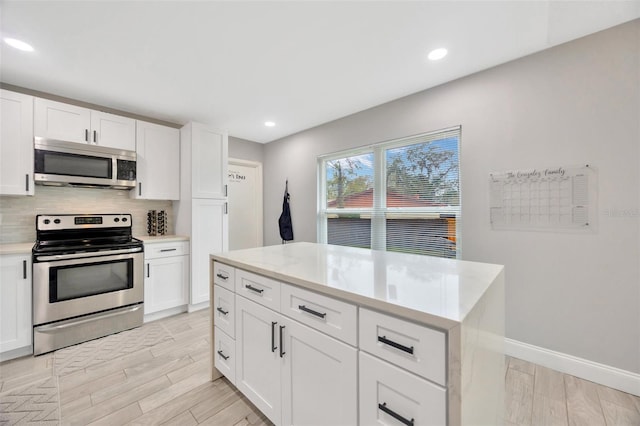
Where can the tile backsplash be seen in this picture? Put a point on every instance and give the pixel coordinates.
(18, 213)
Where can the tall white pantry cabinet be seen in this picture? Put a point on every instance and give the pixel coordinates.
(202, 212)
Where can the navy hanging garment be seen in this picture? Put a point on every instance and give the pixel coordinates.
(286, 228)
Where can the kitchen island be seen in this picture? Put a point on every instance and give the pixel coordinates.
(373, 337)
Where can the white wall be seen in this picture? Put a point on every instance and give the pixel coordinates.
(578, 103)
(245, 150)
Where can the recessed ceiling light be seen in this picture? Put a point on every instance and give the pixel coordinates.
(437, 54)
(269, 123)
(18, 44)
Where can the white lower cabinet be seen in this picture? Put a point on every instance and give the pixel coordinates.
(166, 279)
(295, 375)
(225, 355)
(258, 357)
(16, 325)
(392, 396)
(319, 378)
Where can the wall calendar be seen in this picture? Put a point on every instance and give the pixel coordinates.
(547, 198)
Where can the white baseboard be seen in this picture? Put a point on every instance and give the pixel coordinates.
(606, 375)
(16, 353)
(198, 306)
(164, 314)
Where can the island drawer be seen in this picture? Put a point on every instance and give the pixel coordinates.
(392, 396)
(225, 355)
(224, 310)
(262, 290)
(331, 316)
(224, 275)
(419, 349)
(159, 250)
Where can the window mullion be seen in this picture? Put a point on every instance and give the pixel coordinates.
(378, 222)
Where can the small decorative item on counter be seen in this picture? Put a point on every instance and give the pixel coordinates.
(162, 222)
(152, 223)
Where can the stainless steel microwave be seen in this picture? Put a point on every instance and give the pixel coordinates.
(68, 163)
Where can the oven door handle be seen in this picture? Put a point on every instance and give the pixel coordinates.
(87, 254)
(75, 322)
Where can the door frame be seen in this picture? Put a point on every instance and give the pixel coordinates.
(259, 189)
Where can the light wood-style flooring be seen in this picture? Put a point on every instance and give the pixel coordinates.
(168, 383)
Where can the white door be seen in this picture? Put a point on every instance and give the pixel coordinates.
(113, 131)
(319, 377)
(15, 302)
(209, 235)
(245, 204)
(55, 120)
(158, 150)
(209, 162)
(16, 143)
(258, 357)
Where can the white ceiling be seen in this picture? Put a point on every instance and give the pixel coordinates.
(236, 64)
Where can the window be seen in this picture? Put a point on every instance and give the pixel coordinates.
(402, 195)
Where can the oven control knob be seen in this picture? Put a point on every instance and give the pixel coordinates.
(124, 219)
(56, 221)
(116, 219)
(47, 221)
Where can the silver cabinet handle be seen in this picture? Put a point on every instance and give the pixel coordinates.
(86, 135)
(95, 137)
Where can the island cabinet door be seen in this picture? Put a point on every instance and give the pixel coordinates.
(258, 361)
(319, 378)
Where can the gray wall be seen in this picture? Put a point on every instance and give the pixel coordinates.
(243, 149)
(575, 104)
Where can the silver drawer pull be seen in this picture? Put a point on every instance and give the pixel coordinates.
(222, 311)
(312, 312)
(165, 250)
(226, 357)
(222, 277)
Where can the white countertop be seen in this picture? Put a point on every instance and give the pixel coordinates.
(432, 290)
(16, 248)
(161, 238)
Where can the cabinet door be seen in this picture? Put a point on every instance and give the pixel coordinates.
(209, 154)
(165, 283)
(55, 120)
(392, 396)
(258, 358)
(16, 327)
(319, 378)
(113, 131)
(209, 235)
(16, 143)
(158, 162)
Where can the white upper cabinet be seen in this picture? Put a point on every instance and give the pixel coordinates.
(209, 152)
(158, 162)
(16, 143)
(57, 120)
(113, 131)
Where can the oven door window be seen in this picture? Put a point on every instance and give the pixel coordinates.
(76, 281)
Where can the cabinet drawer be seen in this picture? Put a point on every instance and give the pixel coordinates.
(224, 275)
(224, 310)
(262, 290)
(158, 250)
(411, 346)
(225, 355)
(389, 395)
(333, 317)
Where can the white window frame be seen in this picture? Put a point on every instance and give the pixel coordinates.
(379, 211)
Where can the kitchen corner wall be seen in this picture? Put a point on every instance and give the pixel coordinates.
(574, 104)
(242, 149)
(18, 214)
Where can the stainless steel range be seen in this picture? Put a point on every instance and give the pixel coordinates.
(87, 279)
